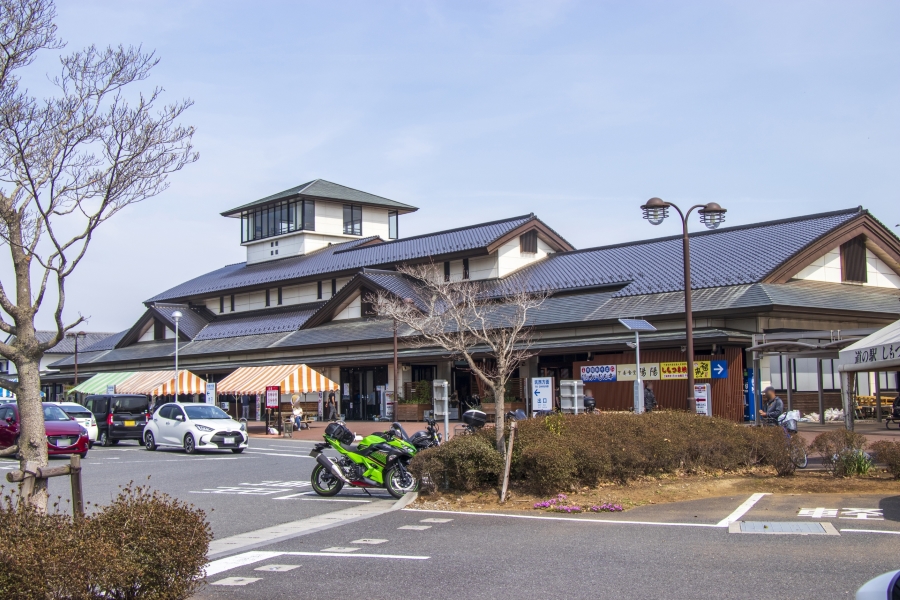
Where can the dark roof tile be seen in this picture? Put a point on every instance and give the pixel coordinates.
(319, 188)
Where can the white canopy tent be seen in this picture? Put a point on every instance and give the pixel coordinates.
(877, 352)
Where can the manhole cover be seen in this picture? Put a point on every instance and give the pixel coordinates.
(783, 528)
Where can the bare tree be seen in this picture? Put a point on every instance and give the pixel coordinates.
(470, 322)
(67, 164)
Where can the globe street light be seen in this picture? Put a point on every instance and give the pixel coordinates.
(712, 215)
(177, 317)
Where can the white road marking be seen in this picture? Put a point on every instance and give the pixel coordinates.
(577, 520)
(240, 560)
(369, 541)
(741, 510)
(863, 514)
(247, 558)
(277, 568)
(307, 499)
(871, 531)
(432, 520)
(339, 549)
(236, 581)
(279, 454)
(415, 527)
(295, 528)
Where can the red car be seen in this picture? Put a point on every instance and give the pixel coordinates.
(64, 434)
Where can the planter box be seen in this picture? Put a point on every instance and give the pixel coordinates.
(411, 412)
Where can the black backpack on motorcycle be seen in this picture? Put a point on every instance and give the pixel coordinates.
(339, 431)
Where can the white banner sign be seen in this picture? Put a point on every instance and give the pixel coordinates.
(596, 373)
(542, 394)
(702, 397)
(649, 372)
(210, 393)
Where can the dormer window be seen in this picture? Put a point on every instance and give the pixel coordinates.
(277, 219)
(352, 219)
(528, 242)
(392, 224)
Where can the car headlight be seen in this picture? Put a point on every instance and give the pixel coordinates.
(243, 427)
(83, 430)
(203, 428)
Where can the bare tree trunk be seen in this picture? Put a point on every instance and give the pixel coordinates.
(500, 421)
(33, 436)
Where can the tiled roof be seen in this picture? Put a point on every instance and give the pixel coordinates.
(342, 258)
(67, 345)
(319, 188)
(723, 257)
(107, 343)
(274, 321)
(191, 321)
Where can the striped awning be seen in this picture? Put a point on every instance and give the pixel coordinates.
(99, 383)
(161, 383)
(292, 379)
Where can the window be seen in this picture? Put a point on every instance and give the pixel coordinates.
(392, 224)
(277, 219)
(528, 242)
(352, 219)
(853, 260)
(232, 303)
(319, 290)
(447, 270)
(465, 268)
(159, 330)
(279, 296)
(333, 287)
(221, 304)
(267, 298)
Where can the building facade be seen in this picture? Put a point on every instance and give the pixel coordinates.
(316, 252)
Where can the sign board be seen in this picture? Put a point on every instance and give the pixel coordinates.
(628, 372)
(702, 397)
(210, 393)
(678, 370)
(321, 406)
(542, 393)
(595, 373)
(110, 389)
(346, 390)
(258, 409)
(719, 369)
(273, 395)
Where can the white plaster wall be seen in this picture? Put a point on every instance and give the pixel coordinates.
(241, 303)
(510, 258)
(828, 268)
(879, 274)
(484, 267)
(375, 222)
(329, 218)
(212, 304)
(353, 310)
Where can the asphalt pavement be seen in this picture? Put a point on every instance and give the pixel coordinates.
(275, 538)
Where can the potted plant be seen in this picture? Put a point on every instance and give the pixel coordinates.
(412, 406)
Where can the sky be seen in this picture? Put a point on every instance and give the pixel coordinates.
(476, 111)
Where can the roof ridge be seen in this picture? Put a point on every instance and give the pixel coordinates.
(859, 209)
(454, 230)
(364, 192)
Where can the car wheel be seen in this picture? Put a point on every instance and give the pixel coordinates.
(141, 442)
(190, 446)
(114, 442)
(104, 439)
(83, 454)
(237, 450)
(149, 442)
(90, 445)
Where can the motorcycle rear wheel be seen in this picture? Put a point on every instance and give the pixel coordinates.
(399, 482)
(324, 483)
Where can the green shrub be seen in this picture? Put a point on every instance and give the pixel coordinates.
(143, 546)
(465, 462)
(843, 452)
(888, 453)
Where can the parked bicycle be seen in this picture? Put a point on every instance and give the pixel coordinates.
(788, 423)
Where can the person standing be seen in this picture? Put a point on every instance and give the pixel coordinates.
(649, 397)
(332, 407)
(245, 407)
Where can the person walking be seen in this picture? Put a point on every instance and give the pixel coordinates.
(773, 406)
(332, 407)
(245, 407)
(649, 397)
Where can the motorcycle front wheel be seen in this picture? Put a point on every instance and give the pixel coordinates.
(399, 481)
(324, 483)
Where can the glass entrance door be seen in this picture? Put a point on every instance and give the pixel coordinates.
(362, 403)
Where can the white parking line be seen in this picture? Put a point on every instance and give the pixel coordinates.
(248, 558)
(279, 454)
(236, 581)
(435, 520)
(741, 510)
(575, 519)
(339, 549)
(415, 527)
(871, 531)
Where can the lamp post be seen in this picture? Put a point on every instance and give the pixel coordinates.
(712, 215)
(76, 336)
(177, 316)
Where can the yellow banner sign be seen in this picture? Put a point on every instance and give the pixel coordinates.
(678, 370)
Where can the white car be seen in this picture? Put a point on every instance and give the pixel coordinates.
(194, 427)
(83, 416)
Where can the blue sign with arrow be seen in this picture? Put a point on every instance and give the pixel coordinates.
(719, 369)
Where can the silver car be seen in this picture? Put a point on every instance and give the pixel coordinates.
(194, 427)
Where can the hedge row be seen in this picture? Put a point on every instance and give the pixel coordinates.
(143, 546)
(560, 452)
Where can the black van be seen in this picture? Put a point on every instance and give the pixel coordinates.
(119, 417)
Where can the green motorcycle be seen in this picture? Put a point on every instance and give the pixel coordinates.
(378, 461)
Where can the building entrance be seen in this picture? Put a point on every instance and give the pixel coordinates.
(361, 400)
